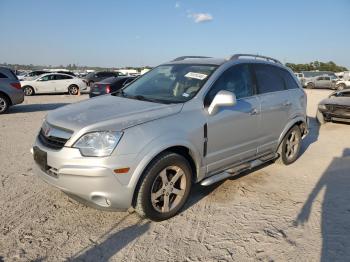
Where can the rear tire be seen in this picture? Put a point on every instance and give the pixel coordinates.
(73, 90)
(290, 147)
(28, 90)
(4, 104)
(310, 86)
(165, 187)
(320, 117)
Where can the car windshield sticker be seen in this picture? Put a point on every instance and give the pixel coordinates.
(185, 95)
(196, 75)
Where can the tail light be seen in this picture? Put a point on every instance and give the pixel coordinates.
(108, 89)
(16, 85)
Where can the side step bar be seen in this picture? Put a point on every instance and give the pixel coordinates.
(238, 169)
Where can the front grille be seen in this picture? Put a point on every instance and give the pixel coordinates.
(51, 141)
(338, 110)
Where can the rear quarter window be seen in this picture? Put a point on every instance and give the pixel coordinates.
(268, 79)
(289, 80)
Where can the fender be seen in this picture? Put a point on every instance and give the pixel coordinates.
(155, 147)
(290, 124)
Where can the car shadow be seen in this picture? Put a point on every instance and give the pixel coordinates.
(199, 192)
(34, 107)
(312, 137)
(114, 241)
(335, 217)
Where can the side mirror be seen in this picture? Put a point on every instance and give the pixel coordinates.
(222, 98)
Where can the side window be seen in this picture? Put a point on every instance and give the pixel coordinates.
(289, 80)
(236, 79)
(62, 77)
(268, 78)
(2, 75)
(327, 78)
(319, 78)
(47, 78)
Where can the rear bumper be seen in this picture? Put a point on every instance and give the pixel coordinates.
(16, 96)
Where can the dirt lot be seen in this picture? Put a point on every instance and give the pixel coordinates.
(298, 213)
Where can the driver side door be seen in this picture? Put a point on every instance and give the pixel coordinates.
(45, 84)
(233, 131)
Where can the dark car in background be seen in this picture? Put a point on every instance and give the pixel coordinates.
(11, 92)
(335, 108)
(110, 85)
(94, 77)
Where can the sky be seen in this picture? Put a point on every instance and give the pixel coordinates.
(115, 33)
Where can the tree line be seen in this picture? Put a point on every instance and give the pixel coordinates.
(317, 66)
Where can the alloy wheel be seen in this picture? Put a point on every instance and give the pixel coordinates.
(292, 145)
(168, 189)
(3, 104)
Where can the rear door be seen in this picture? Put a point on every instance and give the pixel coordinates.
(233, 132)
(275, 105)
(62, 83)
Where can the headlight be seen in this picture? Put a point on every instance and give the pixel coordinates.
(98, 143)
(323, 107)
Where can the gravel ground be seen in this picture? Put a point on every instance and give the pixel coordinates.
(276, 213)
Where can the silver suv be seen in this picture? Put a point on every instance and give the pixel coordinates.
(192, 120)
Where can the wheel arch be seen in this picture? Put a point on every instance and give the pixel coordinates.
(301, 122)
(182, 150)
(7, 97)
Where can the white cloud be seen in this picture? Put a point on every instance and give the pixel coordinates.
(201, 17)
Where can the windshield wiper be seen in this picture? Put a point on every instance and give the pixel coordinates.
(143, 98)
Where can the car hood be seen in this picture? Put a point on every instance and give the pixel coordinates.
(344, 101)
(109, 113)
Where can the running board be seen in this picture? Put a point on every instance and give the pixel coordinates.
(237, 169)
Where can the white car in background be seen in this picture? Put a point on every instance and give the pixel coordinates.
(53, 83)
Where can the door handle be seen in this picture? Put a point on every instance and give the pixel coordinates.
(286, 103)
(253, 112)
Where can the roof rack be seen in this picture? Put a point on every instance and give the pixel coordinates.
(186, 57)
(237, 56)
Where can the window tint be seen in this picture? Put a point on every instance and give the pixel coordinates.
(289, 80)
(268, 78)
(236, 79)
(47, 78)
(62, 77)
(2, 75)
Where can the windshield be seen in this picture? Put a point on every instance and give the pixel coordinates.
(170, 83)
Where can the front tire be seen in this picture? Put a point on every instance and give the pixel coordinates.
(310, 86)
(73, 90)
(341, 86)
(28, 91)
(290, 147)
(4, 104)
(165, 187)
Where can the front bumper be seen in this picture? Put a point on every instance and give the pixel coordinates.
(88, 180)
